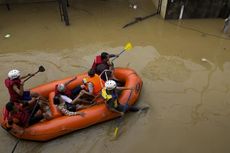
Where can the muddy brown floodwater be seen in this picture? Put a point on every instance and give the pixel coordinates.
(189, 98)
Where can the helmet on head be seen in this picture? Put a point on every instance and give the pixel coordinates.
(13, 74)
(110, 85)
(61, 87)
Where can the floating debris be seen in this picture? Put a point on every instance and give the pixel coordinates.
(7, 36)
(134, 6)
(204, 60)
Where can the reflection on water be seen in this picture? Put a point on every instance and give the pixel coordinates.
(188, 98)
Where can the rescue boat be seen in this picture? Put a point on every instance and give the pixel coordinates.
(60, 125)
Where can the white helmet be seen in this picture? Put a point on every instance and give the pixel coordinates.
(61, 87)
(13, 74)
(110, 85)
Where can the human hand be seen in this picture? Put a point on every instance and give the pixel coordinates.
(29, 74)
(22, 83)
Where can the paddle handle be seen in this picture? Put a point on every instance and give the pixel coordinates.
(118, 55)
(31, 76)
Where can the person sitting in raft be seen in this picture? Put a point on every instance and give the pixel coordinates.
(102, 63)
(18, 96)
(110, 95)
(62, 89)
(23, 116)
(102, 59)
(91, 87)
(68, 110)
(65, 94)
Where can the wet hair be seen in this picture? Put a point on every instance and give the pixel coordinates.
(104, 55)
(56, 100)
(10, 106)
(91, 72)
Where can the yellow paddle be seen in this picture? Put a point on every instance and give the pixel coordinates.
(127, 47)
(116, 130)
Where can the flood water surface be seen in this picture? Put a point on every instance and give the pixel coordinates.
(189, 97)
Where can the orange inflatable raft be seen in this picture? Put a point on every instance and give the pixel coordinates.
(61, 125)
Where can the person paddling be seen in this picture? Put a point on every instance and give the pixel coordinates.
(22, 116)
(15, 85)
(110, 95)
(102, 59)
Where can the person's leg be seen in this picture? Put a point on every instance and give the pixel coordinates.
(26, 96)
(125, 108)
(37, 96)
(77, 99)
(133, 108)
(71, 107)
(75, 92)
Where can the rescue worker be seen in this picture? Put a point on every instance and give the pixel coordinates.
(102, 59)
(21, 97)
(104, 67)
(15, 86)
(91, 86)
(110, 95)
(23, 116)
(62, 89)
(64, 94)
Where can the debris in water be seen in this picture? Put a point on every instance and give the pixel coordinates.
(204, 60)
(134, 6)
(7, 36)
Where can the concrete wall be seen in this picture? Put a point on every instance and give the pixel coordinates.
(164, 8)
(155, 2)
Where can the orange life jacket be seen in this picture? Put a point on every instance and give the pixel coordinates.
(98, 84)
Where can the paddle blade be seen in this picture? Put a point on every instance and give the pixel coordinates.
(128, 46)
(115, 132)
(41, 69)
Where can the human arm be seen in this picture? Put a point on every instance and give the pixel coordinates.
(113, 55)
(19, 90)
(26, 76)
